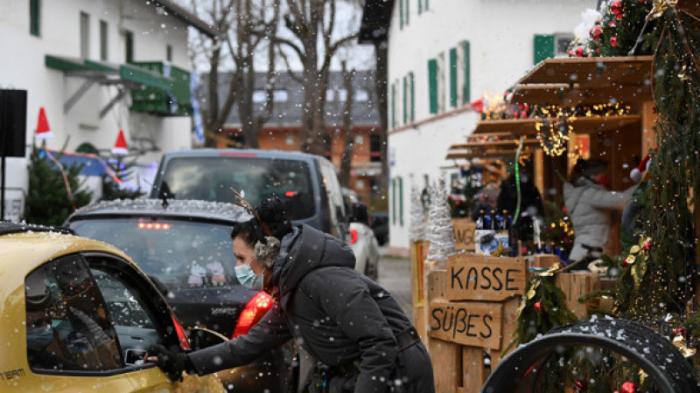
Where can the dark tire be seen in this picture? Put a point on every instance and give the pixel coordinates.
(371, 271)
(655, 354)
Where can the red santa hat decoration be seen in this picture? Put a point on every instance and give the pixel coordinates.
(637, 173)
(42, 130)
(120, 147)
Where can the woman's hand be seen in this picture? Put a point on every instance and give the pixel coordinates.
(172, 363)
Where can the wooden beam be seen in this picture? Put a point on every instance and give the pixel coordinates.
(588, 71)
(567, 96)
(582, 125)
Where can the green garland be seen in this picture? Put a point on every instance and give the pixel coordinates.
(542, 308)
(675, 170)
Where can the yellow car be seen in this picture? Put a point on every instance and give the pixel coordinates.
(77, 315)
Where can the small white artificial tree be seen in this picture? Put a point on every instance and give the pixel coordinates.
(439, 229)
(418, 216)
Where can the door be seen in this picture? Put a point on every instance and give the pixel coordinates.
(141, 319)
(74, 334)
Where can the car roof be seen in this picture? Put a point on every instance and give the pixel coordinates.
(174, 208)
(22, 252)
(252, 153)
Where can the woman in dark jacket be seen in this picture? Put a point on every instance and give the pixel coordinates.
(340, 317)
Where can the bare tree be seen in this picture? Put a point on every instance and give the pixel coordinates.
(312, 24)
(348, 150)
(240, 22)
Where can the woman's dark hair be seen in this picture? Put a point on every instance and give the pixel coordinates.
(273, 221)
(586, 168)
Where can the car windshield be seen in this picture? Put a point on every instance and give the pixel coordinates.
(212, 178)
(181, 254)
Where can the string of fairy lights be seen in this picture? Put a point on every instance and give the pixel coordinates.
(554, 124)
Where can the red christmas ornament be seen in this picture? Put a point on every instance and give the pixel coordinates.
(580, 386)
(616, 7)
(647, 245)
(613, 42)
(596, 32)
(679, 331)
(537, 306)
(628, 387)
(579, 52)
(618, 16)
(612, 23)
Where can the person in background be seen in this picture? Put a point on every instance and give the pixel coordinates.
(531, 206)
(354, 329)
(589, 204)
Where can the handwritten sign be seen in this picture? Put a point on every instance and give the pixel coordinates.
(469, 323)
(474, 277)
(463, 232)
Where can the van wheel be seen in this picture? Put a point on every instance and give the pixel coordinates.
(371, 270)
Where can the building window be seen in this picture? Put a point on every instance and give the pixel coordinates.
(436, 84)
(342, 95)
(361, 95)
(260, 96)
(466, 71)
(128, 46)
(84, 35)
(169, 53)
(404, 12)
(412, 99)
(405, 100)
(433, 85)
(543, 47)
(330, 95)
(392, 104)
(454, 99)
(35, 17)
(104, 40)
(375, 148)
(393, 201)
(400, 201)
(562, 42)
(359, 140)
(423, 5)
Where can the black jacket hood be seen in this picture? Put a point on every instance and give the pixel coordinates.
(303, 250)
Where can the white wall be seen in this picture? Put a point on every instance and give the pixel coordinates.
(23, 67)
(501, 34)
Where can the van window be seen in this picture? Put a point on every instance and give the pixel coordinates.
(211, 179)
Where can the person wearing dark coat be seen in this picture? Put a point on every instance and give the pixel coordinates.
(343, 319)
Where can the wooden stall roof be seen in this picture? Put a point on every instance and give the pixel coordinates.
(487, 154)
(492, 144)
(587, 80)
(581, 125)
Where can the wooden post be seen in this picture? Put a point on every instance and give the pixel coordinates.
(419, 251)
(473, 371)
(539, 171)
(576, 284)
(648, 127)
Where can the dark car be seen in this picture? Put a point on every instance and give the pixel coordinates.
(185, 246)
(307, 182)
(379, 223)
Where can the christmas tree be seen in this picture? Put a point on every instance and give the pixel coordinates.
(111, 189)
(54, 192)
(418, 216)
(439, 231)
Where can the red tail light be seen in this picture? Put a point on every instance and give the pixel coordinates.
(181, 336)
(353, 236)
(256, 308)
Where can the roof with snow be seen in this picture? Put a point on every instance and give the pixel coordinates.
(174, 208)
(289, 99)
(186, 16)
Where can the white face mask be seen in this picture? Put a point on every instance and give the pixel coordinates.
(247, 277)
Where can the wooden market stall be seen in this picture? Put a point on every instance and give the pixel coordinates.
(621, 136)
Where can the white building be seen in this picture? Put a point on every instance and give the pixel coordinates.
(98, 66)
(442, 54)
